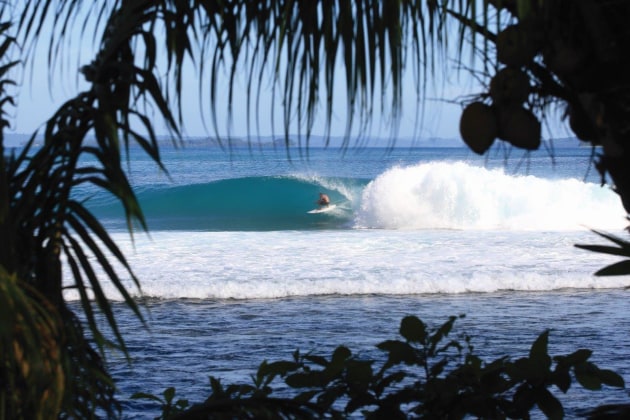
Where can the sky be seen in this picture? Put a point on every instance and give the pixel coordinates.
(44, 89)
(40, 95)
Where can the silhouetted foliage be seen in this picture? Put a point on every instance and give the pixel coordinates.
(562, 54)
(136, 77)
(426, 374)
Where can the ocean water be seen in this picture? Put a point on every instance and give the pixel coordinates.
(235, 271)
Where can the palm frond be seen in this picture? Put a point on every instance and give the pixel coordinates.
(30, 352)
(622, 250)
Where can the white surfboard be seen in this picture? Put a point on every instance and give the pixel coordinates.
(323, 209)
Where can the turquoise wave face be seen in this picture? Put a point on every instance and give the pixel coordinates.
(434, 195)
(253, 203)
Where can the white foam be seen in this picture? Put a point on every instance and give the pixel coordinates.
(443, 195)
(251, 265)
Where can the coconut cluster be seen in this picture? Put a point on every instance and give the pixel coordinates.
(508, 116)
(571, 52)
(553, 51)
(568, 52)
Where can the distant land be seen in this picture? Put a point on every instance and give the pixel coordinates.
(18, 140)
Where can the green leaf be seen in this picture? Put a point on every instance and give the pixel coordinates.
(216, 385)
(305, 396)
(413, 329)
(587, 374)
(182, 404)
(562, 379)
(169, 394)
(8, 41)
(578, 356)
(360, 372)
(621, 268)
(5, 68)
(524, 399)
(520, 369)
(621, 242)
(497, 365)
(280, 368)
(605, 249)
(340, 355)
(611, 378)
(318, 360)
(145, 396)
(304, 380)
(438, 368)
(399, 352)
(362, 399)
(388, 380)
(549, 405)
(337, 362)
(539, 355)
(86, 265)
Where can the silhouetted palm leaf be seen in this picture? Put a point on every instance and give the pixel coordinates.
(287, 44)
(30, 352)
(622, 249)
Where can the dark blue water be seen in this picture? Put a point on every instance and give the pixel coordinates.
(235, 271)
(190, 340)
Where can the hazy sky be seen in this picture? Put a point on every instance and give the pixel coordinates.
(40, 96)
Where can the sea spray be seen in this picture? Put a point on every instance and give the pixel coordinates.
(443, 195)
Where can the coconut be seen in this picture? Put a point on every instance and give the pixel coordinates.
(519, 127)
(478, 127)
(517, 45)
(509, 86)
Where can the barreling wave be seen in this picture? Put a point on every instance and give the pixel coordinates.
(435, 195)
(252, 203)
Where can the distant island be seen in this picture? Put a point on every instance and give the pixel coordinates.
(19, 140)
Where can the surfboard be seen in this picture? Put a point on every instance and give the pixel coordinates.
(323, 209)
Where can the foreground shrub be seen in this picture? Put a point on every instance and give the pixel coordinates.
(425, 375)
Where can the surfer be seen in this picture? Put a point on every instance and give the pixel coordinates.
(324, 200)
